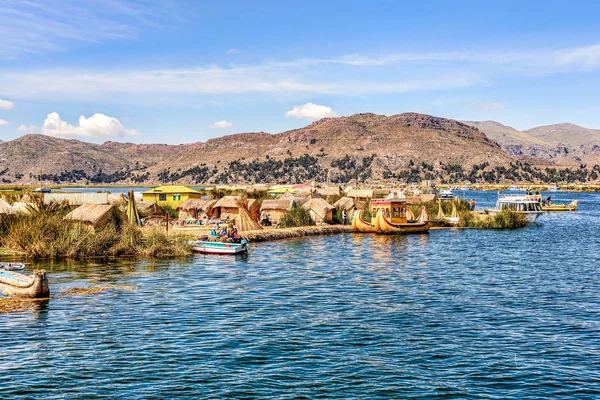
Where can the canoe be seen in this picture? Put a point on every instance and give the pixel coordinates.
(385, 226)
(205, 247)
(572, 206)
(361, 225)
(14, 284)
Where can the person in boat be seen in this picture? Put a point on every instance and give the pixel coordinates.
(472, 204)
(213, 231)
(234, 235)
(548, 201)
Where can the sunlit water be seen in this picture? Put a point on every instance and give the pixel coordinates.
(454, 313)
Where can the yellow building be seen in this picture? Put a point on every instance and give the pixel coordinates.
(170, 195)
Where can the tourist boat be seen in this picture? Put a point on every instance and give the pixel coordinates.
(14, 284)
(572, 206)
(390, 217)
(521, 204)
(446, 194)
(206, 247)
(359, 224)
(554, 189)
(465, 187)
(42, 190)
(4, 266)
(514, 188)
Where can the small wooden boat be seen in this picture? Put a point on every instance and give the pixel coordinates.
(14, 284)
(206, 247)
(4, 266)
(361, 225)
(572, 206)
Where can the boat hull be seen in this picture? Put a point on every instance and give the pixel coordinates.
(14, 284)
(202, 247)
(383, 225)
(572, 206)
(361, 225)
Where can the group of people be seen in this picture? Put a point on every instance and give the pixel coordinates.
(225, 232)
(265, 219)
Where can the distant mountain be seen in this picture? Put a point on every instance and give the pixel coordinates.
(564, 144)
(22, 159)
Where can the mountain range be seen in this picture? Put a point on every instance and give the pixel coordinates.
(360, 147)
(563, 144)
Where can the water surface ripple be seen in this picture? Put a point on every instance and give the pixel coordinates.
(451, 314)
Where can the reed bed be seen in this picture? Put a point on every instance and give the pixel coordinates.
(287, 233)
(84, 291)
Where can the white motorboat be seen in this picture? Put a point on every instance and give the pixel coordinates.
(514, 188)
(521, 204)
(465, 187)
(446, 194)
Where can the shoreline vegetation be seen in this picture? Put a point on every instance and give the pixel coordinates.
(44, 233)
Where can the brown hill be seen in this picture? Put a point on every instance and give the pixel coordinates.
(394, 140)
(22, 159)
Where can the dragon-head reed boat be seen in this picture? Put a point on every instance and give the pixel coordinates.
(391, 216)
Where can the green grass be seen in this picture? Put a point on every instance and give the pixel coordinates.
(297, 216)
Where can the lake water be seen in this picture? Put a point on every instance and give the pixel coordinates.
(450, 314)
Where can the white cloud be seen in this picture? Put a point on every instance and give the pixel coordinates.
(221, 124)
(487, 106)
(6, 105)
(4, 122)
(25, 128)
(232, 51)
(311, 112)
(98, 125)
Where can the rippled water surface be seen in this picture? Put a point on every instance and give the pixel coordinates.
(454, 313)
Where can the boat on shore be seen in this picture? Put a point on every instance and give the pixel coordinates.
(14, 284)
(390, 216)
(207, 247)
(521, 204)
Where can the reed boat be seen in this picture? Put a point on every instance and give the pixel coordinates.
(14, 284)
(359, 224)
(384, 225)
(391, 217)
(572, 206)
(206, 247)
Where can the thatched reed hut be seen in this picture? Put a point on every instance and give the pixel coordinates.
(330, 191)
(148, 209)
(23, 208)
(320, 211)
(228, 205)
(196, 208)
(276, 208)
(96, 216)
(360, 194)
(6, 209)
(345, 203)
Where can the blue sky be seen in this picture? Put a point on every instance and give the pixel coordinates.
(151, 71)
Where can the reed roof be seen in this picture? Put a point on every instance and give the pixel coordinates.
(329, 191)
(198, 204)
(345, 202)
(319, 206)
(360, 193)
(93, 213)
(277, 204)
